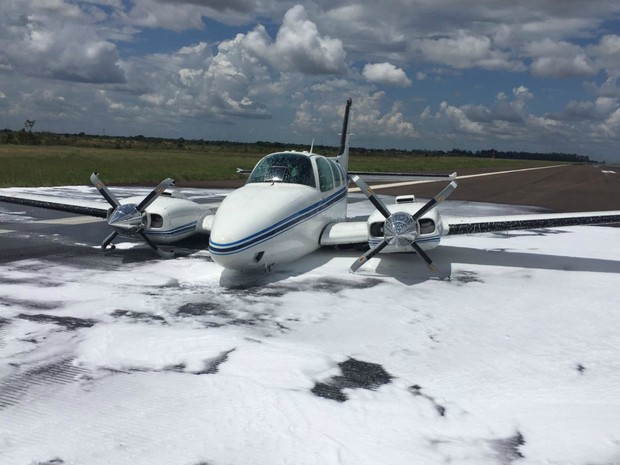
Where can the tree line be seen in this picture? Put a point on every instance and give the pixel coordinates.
(27, 137)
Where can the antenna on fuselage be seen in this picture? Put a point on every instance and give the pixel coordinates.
(312, 145)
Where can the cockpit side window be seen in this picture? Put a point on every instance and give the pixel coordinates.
(326, 177)
(290, 168)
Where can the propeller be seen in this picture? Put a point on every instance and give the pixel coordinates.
(130, 219)
(400, 228)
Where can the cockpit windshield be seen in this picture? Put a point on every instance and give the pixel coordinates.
(290, 168)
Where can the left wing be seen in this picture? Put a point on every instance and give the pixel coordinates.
(78, 206)
(474, 225)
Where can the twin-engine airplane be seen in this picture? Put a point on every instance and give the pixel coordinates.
(292, 204)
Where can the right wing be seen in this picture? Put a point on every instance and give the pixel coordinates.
(345, 233)
(485, 224)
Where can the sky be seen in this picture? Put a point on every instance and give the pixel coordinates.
(533, 75)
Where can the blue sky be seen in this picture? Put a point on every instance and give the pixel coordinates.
(533, 75)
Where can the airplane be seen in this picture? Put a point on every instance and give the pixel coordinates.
(292, 204)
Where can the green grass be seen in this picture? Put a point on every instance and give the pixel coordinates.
(22, 165)
(51, 166)
(436, 164)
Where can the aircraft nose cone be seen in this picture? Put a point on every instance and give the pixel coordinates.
(400, 229)
(126, 219)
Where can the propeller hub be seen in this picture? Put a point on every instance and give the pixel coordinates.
(127, 220)
(400, 229)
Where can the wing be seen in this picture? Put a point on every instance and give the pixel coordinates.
(474, 225)
(345, 233)
(372, 176)
(81, 207)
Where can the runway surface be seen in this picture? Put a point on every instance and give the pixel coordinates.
(564, 189)
(121, 357)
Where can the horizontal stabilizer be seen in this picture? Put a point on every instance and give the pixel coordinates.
(373, 176)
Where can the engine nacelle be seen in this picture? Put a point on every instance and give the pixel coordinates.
(428, 229)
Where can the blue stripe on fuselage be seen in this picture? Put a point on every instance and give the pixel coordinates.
(373, 242)
(173, 232)
(277, 228)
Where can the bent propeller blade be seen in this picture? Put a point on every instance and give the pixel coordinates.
(367, 256)
(435, 200)
(376, 201)
(104, 191)
(162, 253)
(108, 240)
(149, 199)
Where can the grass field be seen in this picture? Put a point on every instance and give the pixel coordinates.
(22, 165)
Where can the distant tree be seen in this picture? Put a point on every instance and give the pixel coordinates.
(29, 124)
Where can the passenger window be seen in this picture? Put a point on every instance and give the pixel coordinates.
(336, 173)
(326, 179)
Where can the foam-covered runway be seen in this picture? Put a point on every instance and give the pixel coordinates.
(122, 357)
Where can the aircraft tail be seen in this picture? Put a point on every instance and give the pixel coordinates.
(343, 152)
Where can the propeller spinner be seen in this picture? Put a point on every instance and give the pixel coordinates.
(130, 219)
(400, 228)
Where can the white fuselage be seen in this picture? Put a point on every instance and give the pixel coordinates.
(265, 223)
(278, 216)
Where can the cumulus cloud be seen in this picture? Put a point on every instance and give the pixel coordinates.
(181, 15)
(55, 41)
(192, 82)
(244, 72)
(583, 110)
(559, 59)
(385, 73)
(300, 47)
(605, 55)
(563, 67)
(505, 119)
(609, 88)
(459, 119)
(241, 6)
(368, 117)
(611, 126)
(465, 50)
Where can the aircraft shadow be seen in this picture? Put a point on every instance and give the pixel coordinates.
(233, 279)
(409, 269)
(505, 257)
(406, 268)
(141, 252)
